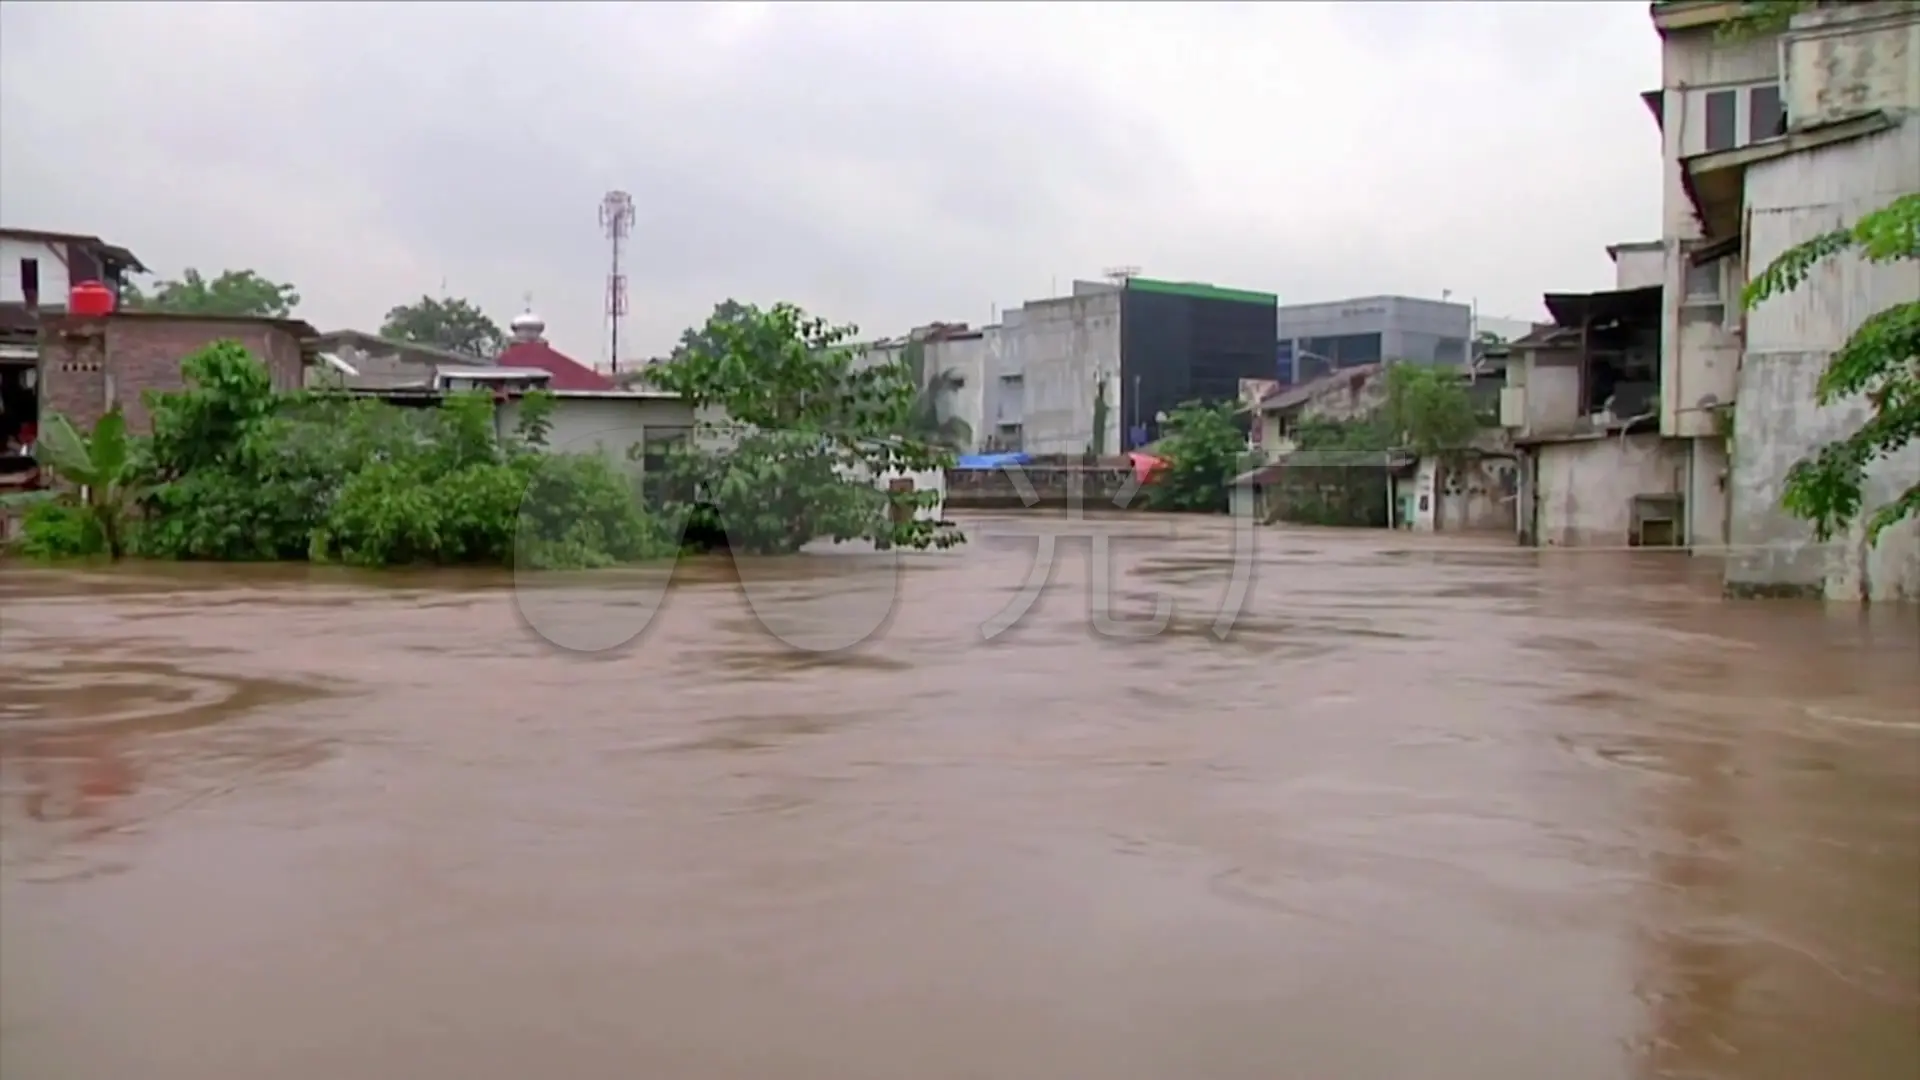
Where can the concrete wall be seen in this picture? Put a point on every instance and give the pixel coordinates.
(1846, 60)
(1476, 495)
(1583, 491)
(1639, 265)
(1062, 350)
(975, 360)
(1789, 340)
(89, 365)
(1699, 347)
(613, 426)
(1708, 481)
(1548, 381)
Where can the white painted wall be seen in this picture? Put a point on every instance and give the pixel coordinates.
(52, 270)
(1551, 382)
(1065, 349)
(1426, 496)
(1638, 266)
(1584, 491)
(1699, 350)
(615, 427)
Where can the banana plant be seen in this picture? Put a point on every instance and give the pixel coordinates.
(99, 468)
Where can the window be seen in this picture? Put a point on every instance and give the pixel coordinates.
(1341, 351)
(1723, 122)
(1703, 282)
(30, 280)
(1739, 115)
(1766, 113)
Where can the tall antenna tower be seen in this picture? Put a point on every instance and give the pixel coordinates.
(616, 217)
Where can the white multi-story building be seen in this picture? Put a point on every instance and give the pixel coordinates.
(1769, 141)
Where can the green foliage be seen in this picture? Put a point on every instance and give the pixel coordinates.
(1428, 409)
(233, 293)
(1203, 447)
(447, 323)
(924, 421)
(1880, 362)
(242, 473)
(60, 530)
(96, 492)
(1761, 18)
(1365, 433)
(809, 431)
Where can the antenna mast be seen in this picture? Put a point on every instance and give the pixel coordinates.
(616, 218)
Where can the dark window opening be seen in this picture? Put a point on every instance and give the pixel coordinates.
(1328, 354)
(30, 281)
(658, 447)
(1766, 114)
(19, 418)
(1623, 368)
(1723, 123)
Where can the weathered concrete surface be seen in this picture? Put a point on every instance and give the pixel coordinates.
(1585, 490)
(1789, 340)
(1430, 811)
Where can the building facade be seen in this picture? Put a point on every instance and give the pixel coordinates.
(88, 366)
(1093, 371)
(1317, 339)
(1846, 142)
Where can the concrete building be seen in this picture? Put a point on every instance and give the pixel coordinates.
(1092, 372)
(1770, 143)
(1581, 403)
(1315, 339)
(38, 267)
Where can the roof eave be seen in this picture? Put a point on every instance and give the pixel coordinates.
(1715, 181)
(1676, 15)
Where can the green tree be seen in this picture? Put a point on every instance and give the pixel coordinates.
(924, 422)
(98, 505)
(447, 323)
(1880, 362)
(1203, 447)
(1427, 409)
(238, 293)
(809, 433)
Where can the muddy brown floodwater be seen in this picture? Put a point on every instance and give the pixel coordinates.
(1432, 811)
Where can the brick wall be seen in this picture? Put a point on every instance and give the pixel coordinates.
(86, 365)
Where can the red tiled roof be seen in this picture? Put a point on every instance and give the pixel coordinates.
(568, 373)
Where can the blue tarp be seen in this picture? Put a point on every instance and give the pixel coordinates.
(991, 461)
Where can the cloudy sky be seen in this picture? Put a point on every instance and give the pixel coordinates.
(885, 164)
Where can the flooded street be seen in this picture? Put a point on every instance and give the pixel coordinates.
(1432, 811)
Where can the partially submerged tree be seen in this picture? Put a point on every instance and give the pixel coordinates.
(1880, 362)
(1203, 447)
(809, 436)
(1427, 409)
(446, 323)
(234, 293)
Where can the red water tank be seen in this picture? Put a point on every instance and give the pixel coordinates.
(90, 298)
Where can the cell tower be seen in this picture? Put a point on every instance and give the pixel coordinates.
(616, 217)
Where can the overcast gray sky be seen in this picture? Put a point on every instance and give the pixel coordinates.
(885, 164)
